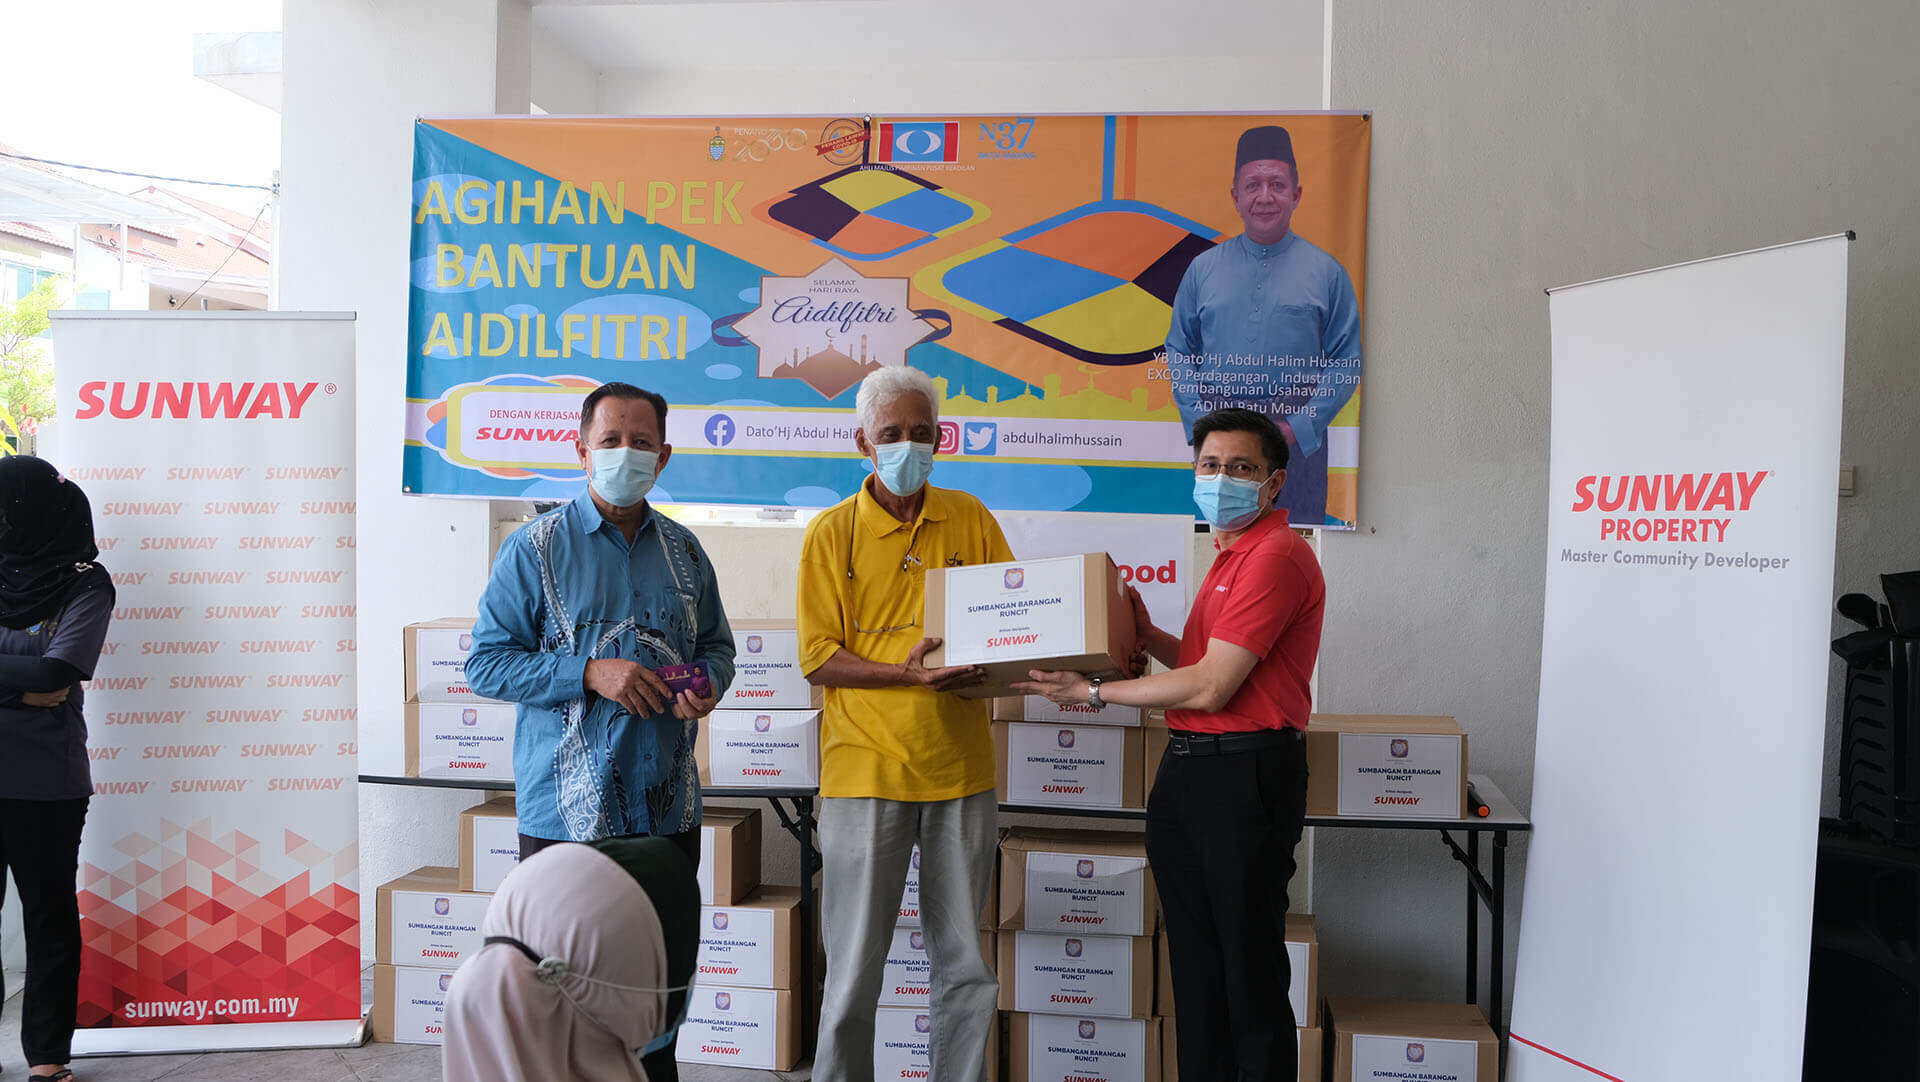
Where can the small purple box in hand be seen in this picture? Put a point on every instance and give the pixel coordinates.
(681, 678)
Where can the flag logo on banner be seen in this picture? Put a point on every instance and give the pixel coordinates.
(918, 141)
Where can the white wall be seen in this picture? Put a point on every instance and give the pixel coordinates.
(356, 76)
(1518, 146)
(563, 83)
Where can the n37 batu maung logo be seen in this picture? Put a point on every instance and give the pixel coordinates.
(1667, 507)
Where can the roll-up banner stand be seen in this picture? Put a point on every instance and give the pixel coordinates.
(219, 871)
(1683, 682)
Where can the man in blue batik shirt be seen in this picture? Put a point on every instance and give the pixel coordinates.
(585, 602)
(1267, 321)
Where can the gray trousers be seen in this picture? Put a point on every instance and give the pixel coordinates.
(864, 847)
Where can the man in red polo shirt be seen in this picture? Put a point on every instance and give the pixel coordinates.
(1228, 805)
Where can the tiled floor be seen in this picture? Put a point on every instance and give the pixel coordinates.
(368, 1063)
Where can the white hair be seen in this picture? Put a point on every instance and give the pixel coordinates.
(886, 384)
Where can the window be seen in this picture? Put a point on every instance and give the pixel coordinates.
(16, 280)
(94, 300)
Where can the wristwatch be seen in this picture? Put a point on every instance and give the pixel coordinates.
(1093, 694)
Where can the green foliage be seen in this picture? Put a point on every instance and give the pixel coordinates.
(26, 372)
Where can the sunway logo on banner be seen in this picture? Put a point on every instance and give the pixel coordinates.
(204, 401)
(1659, 499)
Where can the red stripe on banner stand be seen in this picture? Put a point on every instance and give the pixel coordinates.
(1569, 1059)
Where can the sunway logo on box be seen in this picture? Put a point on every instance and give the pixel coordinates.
(1667, 507)
(204, 401)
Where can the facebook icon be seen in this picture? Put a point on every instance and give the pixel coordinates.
(720, 430)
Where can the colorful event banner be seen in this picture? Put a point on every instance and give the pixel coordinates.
(219, 876)
(1683, 672)
(754, 270)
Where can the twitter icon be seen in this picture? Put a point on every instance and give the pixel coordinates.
(981, 438)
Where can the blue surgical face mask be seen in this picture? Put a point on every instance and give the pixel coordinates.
(1227, 503)
(622, 475)
(903, 467)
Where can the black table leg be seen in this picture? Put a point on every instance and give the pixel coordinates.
(1498, 959)
(809, 914)
(1473, 920)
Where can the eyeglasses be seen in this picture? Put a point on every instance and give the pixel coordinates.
(1242, 471)
(908, 562)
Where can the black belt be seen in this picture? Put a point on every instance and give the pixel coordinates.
(1192, 744)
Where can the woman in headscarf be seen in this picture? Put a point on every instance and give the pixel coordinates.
(55, 602)
(589, 950)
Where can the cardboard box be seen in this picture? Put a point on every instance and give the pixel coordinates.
(1068, 766)
(436, 660)
(1100, 976)
(1057, 1047)
(1385, 1038)
(489, 845)
(729, 855)
(907, 978)
(902, 1039)
(1379, 765)
(910, 898)
(766, 669)
(754, 944)
(756, 1028)
(409, 1004)
(1041, 708)
(1309, 1060)
(1077, 881)
(424, 919)
(460, 740)
(1303, 961)
(772, 749)
(1065, 613)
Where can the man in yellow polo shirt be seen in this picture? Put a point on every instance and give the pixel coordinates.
(902, 761)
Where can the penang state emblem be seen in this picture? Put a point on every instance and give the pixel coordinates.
(716, 146)
(1015, 578)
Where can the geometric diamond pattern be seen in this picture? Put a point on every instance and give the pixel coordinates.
(191, 931)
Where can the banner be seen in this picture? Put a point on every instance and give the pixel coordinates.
(1683, 673)
(754, 270)
(219, 875)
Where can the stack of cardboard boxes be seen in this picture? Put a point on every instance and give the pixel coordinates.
(903, 1023)
(744, 1007)
(1078, 911)
(451, 732)
(425, 926)
(766, 732)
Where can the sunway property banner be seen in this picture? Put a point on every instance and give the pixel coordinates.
(1683, 682)
(753, 270)
(219, 874)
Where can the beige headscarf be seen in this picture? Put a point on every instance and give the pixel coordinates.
(509, 1022)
